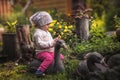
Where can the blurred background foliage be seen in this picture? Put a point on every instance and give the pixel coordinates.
(108, 8)
(104, 17)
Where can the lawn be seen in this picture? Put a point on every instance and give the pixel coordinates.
(10, 71)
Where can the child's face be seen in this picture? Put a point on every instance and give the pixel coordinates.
(45, 27)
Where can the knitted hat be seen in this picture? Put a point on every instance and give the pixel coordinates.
(41, 18)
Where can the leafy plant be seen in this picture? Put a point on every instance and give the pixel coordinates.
(117, 21)
(22, 19)
(97, 28)
(61, 29)
(11, 26)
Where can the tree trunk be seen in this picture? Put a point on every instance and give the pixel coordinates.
(81, 18)
(82, 28)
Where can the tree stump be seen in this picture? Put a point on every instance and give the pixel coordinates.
(26, 52)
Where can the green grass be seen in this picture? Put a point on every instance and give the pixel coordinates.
(9, 71)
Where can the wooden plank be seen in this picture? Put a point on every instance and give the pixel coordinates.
(4, 8)
(50, 3)
(37, 1)
(0, 8)
(8, 7)
(40, 2)
(69, 6)
(53, 6)
(62, 5)
(2, 11)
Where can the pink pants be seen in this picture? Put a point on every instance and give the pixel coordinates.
(47, 59)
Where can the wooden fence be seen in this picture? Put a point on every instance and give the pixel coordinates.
(5, 8)
(62, 5)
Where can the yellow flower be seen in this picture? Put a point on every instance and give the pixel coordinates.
(50, 29)
(59, 26)
(66, 27)
(58, 23)
(54, 21)
(65, 30)
(52, 24)
(70, 26)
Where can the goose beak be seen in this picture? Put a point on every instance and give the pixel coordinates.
(64, 46)
(103, 62)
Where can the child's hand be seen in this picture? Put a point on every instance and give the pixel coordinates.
(55, 40)
(59, 36)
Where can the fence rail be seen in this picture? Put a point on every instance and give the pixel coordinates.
(5, 8)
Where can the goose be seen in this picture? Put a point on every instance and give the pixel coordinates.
(57, 65)
(114, 67)
(89, 68)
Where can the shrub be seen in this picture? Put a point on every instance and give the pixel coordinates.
(62, 25)
(117, 21)
(61, 29)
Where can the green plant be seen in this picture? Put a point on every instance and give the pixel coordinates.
(11, 26)
(62, 25)
(97, 28)
(22, 19)
(106, 45)
(61, 29)
(117, 21)
(16, 18)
